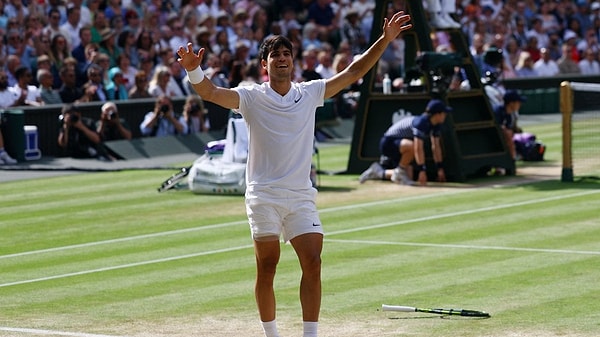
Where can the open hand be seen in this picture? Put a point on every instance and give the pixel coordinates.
(188, 59)
(397, 24)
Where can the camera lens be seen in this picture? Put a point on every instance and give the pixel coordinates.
(74, 118)
(164, 108)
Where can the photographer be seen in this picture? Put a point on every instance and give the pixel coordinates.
(77, 135)
(193, 114)
(111, 126)
(162, 121)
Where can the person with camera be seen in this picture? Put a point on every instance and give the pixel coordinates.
(162, 121)
(77, 135)
(111, 126)
(193, 114)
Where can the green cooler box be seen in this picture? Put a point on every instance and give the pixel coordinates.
(13, 123)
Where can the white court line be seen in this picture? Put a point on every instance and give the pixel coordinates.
(200, 228)
(470, 211)
(52, 332)
(129, 238)
(128, 265)
(474, 247)
(484, 209)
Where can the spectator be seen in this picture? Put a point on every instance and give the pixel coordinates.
(77, 135)
(59, 50)
(203, 39)
(322, 14)
(85, 37)
(109, 47)
(94, 89)
(565, 64)
(114, 8)
(159, 85)
(8, 97)
(116, 89)
(29, 94)
(85, 11)
(126, 43)
(403, 142)
(524, 67)
(111, 126)
(325, 64)
(127, 70)
(133, 23)
(53, 27)
(162, 121)
(533, 49)
(537, 30)
(103, 61)
(48, 94)
(589, 65)
(546, 66)
(140, 87)
(100, 24)
(193, 114)
(507, 115)
(310, 35)
(178, 77)
(91, 54)
(148, 67)
(179, 36)
(72, 26)
(16, 45)
(352, 32)
(58, 6)
(69, 91)
(309, 64)
(43, 62)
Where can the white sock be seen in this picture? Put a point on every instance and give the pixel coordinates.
(310, 329)
(270, 328)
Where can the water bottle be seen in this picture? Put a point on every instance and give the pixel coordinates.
(387, 84)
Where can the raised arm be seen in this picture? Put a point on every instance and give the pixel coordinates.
(190, 61)
(362, 63)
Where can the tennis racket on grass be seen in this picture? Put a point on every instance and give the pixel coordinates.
(450, 312)
(174, 179)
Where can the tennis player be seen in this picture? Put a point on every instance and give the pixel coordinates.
(280, 199)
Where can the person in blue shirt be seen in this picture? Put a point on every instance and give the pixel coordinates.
(162, 121)
(506, 116)
(403, 143)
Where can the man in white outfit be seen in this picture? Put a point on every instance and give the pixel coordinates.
(280, 199)
(439, 13)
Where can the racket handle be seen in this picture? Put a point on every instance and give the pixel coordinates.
(402, 308)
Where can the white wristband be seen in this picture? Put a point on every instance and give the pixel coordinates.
(196, 76)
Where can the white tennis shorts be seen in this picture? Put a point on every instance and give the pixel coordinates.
(274, 211)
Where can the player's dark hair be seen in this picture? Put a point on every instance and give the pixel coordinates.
(272, 43)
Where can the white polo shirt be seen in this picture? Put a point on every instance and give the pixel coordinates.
(280, 133)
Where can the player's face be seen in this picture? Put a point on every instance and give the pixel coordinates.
(279, 62)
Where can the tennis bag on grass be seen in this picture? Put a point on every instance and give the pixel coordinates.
(223, 172)
(528, 147)
(211, 175)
